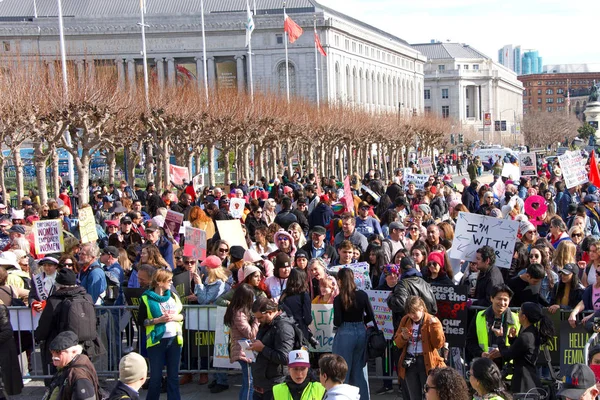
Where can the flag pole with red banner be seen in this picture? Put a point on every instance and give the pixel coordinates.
(292, 31)
(316, 63)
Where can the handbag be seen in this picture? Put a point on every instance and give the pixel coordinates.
(376, 343)
(14, 301)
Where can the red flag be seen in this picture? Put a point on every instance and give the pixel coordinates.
(291, 28)
(318, 44)
(594, 175)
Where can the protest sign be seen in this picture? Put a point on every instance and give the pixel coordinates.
(183, 226)
(198, 182)
(173, 222)
(322, 327)
(511, 171)
(452, 312)
(236, 207)
(572, 342)
(361, 274)
(195, 243)
(499, 189)
(383, 314)
(528, 164)
(231, 230)
(474, 231)
(178, 175)
(200, 318)
(222, 331)
(182, 283)
(418, 179)
(48, 236)
(426, 166)
(572, 165)
(348, 199)
(132, 298)
(87, 225)
(553, 345)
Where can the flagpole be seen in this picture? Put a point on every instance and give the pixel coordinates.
(316, 62)
(35, 14)
(287, 63)
(250, 54)
(254, 7)
(144, 53)
(63, 52)
(204, 60)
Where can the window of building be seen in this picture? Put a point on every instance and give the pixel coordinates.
(457, 66)
(427, 109)
(427, 94)
(354, 47)
(549, 100)
(539, 101)
(524, 101)
(441, 67)
(279, 38)
(445, 111)
(524, 92)
(360, 49)
(560, 91)
(539, 83)
(560, 108)
(549, 108)
(337, 41)
(549, 91)
(444, 93)
(347, 44)
(6, 46)
(560, 100)
(466, 66)
(467, 111)
(467, 93)
(282, 78)
(539, 91)
(476, 67)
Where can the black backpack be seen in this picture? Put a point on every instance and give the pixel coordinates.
(78, 315)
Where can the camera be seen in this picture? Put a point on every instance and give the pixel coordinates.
(596, 325)
(497, 324)
(408, 361)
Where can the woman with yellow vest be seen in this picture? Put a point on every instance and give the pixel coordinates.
(298, 384)
(160, 312)
(486, 379)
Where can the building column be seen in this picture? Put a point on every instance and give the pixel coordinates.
(131, 74)
(461, 101)
(212, 72)
(476, 107)
(160, 71)
(80, 70)
(51, 70)
(171, 78)
(199, 71)
(120, 72)
(241, 77)
(91, 70)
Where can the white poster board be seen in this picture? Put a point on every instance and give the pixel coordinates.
(87, 225)
(383, 314)
(361, 274)
(322, 327)
(426, 165)
(236, 207)
(474, 231)
(418, 179)
(528, 164)
(231, 231)
(48, 236)
(573, 169)
(511, 171)
(221, 353)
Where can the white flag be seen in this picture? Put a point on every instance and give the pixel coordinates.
(249, 25)
(143, 6)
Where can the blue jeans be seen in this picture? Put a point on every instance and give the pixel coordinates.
(168, 353)
(350, 342)
(247, 390)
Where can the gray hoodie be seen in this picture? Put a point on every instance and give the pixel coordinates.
(342, 392)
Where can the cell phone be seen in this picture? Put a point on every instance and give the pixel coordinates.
(497, 324)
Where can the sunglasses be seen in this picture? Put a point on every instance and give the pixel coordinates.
(67, 265)
(223, 250)
(179, 258)
(190, 262)
(414, 229)
(577, 235)
(427, 388)
(283, 238)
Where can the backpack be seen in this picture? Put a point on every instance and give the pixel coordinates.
(376, 343)
(112, 288)
(78, 315)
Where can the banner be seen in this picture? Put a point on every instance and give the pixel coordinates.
(87, 225)
(418, 179)
(195, 243)
(182, 283)
(231, 230)
(474, 231)
(173, 222)
(221, 354)
(426, 165)
(361, 274)
(528, 164)
(511, 171)
(236, 207)
(572, 342)
(383, 314)
(348, 199)
(572, 165)
(178, 175)
(452, 312)
(132, 298)
(48, 236)
(322, 327)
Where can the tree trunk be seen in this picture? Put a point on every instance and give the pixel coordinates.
(18, 162)
(198, 160)
(190, 164)
(211, 163)
(83, 170)
(132, 160)
(340, 164)
(350, 159)
(40, 160)
(310, 165)
(111, 161)
(2, 180)
(165, 155)
(273, 163)
(149, 164)
(55, 173)
(258, 162)
(383, 154)
(226, 166)
(245, 162)
(321, 167)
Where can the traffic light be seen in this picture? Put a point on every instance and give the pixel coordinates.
(460, 138)
(452, 139)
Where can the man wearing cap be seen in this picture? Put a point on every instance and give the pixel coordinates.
(590, 203)
(298, 385)
(394, 242)
(350, 233)
(126, 236)
(155, 236)
(366, 224)
(317, 246)
(133, 372)
(105, 212)
(76, 378)
(4, 235)
(579, 383)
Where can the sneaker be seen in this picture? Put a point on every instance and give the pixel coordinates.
(384, 390)
(219, 388)
(212, 384)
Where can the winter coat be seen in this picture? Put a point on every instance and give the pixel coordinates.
(244, 326)
(432, 337)
(9, 361)
(329, 254)
(298, 306)
(439, 208)
(524, 352)
(321, 216)
(410, 284)
(342, 392)
(252, 224)
(122, 392)
(77, 381)
(207, 293)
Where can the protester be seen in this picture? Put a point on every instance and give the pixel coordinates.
(579, 383)
(489, 275)
(12, 380)
(133, 372)
(486, 379)
(298, 385)
(445, 383)
(333, 371)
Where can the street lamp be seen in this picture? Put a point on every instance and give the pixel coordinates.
(514, 121)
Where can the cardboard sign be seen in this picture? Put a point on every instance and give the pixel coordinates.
(231, 231)
(182, 283)
(528, 164)
(236, 207)
(418, 179)
(572, 165)
(361, 274)
(173, 222)
(348, 199)
(572, 342)
(48, 236)
(452, 312)
(511, 171)
(195, 243)
(383, 314)
(198, 182)
(87, 225)
(499, 189)
(474, 231)
(132, 298)
(222, 331)
(426, 165)
(178, 175)
(322, 327)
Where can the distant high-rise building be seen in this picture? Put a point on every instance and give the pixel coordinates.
(510, 57)
(532, 63)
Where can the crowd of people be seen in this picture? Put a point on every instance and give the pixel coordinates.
(296, 229)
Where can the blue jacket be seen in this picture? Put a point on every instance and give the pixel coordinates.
(116, 271)
(166, 250)
(321, 216)
(208, 293)
(563, 204)
(93, 281)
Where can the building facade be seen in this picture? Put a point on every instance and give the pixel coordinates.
(464, 84)
(531, 63)
(553, 92)
(510, 57)
(365, 66)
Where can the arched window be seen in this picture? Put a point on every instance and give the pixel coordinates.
(282, 78)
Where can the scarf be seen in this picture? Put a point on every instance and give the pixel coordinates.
(154, 300)
(48, 283)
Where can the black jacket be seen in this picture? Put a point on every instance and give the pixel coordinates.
(122, 391)
(329, 254)
(485, 282)
(252, 224)
(77, 381)
(298, 306)
(411, 285)
(438, 207)
(270, 367)
(9, 359)
(524, 352)
(393, 191)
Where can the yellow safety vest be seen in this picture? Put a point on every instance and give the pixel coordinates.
(313, 391)
(150, 328)
(482, 329)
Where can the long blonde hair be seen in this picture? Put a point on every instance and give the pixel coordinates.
(565, 253)
(217, 274)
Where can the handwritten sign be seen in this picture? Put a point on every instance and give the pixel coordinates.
(474, 231)
(418, 179)
(452, 312)
(361, 274)
(236, 207)
(231, 231)
(178, 175)
(222, 332)
(48, 236)
(173, 222)
(383, 314)
(528, 164)
(195, 243)
(87, 225)
(322, 327)
(426, 165)
(573, 169)
(572, 342)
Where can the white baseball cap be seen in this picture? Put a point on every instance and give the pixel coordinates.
(298, 358)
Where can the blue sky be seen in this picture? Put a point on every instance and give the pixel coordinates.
(564, 32)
